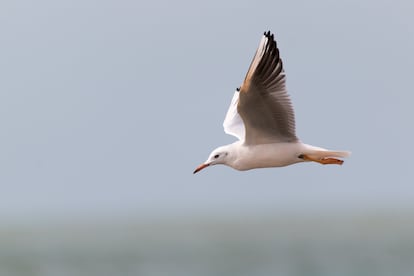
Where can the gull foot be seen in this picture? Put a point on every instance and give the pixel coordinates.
(330, 160)
(323, 161)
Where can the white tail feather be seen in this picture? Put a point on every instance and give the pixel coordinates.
(318, 153)
(331, 153)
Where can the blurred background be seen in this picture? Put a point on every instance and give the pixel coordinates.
(108, 106)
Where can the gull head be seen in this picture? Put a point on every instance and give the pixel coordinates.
(221, 155)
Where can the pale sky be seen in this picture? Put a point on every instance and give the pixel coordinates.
(108, 106)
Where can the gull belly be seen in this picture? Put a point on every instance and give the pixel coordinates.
(267, 155)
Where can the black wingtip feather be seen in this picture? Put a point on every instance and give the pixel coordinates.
(268, 34)
(269, 67)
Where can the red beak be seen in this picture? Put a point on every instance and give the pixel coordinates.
(199, 168)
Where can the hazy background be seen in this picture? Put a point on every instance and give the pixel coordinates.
(108, 106)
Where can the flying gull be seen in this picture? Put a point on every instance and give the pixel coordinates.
(261, 117)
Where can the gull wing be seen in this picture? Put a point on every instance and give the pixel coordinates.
(233, 123)
(263, 103)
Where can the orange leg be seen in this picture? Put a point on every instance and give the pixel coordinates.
(323, 161)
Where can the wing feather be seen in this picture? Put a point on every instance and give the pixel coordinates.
(263, 102)
(233, 123)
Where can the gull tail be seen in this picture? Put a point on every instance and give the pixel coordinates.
(331, 153)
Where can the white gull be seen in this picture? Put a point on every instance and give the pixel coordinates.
(262, 118)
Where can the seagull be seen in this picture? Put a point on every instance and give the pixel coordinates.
(261, 117)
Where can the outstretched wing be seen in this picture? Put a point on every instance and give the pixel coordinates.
(263, 102)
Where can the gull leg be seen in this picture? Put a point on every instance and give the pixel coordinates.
(323, 160)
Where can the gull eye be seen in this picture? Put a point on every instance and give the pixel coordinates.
(216, 156)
